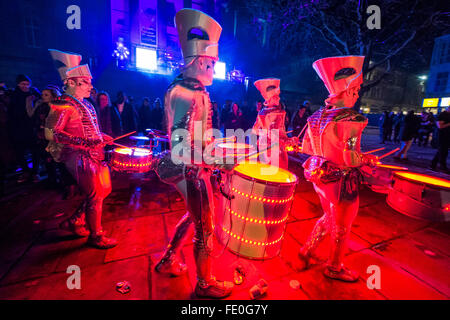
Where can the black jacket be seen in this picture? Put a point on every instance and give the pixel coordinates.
(125, 122)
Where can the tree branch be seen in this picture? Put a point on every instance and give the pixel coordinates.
(326, 39)
(393, 53)
(343, 43)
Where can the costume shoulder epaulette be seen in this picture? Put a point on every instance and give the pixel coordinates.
(348, 114)
(62, 104)
(188, 83)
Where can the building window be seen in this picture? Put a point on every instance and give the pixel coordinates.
(441, 81)
(444, 52)
(32, 33)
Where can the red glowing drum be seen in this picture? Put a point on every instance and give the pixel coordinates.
(131, 160)
(420, 196)
(262, 196)
(382, 177)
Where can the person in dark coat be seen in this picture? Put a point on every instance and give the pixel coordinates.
(398, 123)
(105, 113)
(443, 123)
(226, 109)
(158, 116)
(145, 115)
(408, 133)
(385, 127)
(125, 117)
(215, 115)
(427, 125)
(20, 124)
(7, 155)
(300, 120)
(38, 112)
(234, 118)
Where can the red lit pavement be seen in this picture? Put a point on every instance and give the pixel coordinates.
(413, 256)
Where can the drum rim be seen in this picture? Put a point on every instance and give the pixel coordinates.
(268, 182)
(145, 155)
(392, 192)
(434, 186)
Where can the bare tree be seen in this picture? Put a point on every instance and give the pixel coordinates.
(331, 27)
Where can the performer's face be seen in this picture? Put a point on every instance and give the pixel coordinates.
(348, 98)
(205, 70)
(274, 101)
(83, 87)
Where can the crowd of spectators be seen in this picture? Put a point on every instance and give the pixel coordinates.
(25, 113)
(425, 130)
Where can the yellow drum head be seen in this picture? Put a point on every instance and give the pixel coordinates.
(265, 172)
(232, 145)
(138, 152)
(422, 178)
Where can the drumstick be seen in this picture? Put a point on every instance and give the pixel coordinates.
(304, 127)
(388, 154)
(226, 139)
(123, 136)
(119, 145)
(374, 150)
(160, 136)
(256, 153)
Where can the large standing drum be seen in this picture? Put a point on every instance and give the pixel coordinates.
(131, 160)
(255, 217)
(420, 196)
(381, 179)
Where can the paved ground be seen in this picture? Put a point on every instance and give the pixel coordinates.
(413, 255)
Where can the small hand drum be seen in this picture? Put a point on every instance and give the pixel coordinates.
(131, 160)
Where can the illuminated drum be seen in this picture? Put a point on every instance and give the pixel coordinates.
(140, 141)
(232, 150)
(382, 177)
(261, 199)
(420, 196)
(131, 160)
